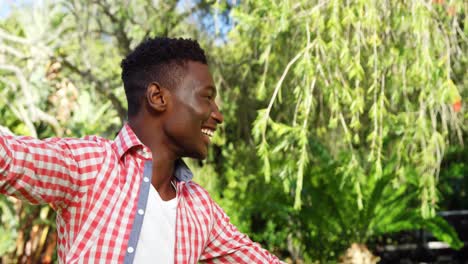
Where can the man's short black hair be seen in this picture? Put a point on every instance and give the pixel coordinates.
(160, 60)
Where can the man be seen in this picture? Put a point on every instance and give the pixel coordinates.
(132, 200)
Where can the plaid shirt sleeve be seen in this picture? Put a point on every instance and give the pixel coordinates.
(55, 171)
(227, 245)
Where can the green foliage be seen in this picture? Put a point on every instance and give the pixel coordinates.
(454, 183)
(8, 228)
(354, 112)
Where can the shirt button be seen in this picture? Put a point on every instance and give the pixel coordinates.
(130, 250)
(141, 212)
(146, 179)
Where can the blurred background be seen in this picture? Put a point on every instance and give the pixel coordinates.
(345, 120)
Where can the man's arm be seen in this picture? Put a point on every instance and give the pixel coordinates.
(55, 171)
(227, 245)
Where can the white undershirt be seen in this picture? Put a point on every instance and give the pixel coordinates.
(157, 237)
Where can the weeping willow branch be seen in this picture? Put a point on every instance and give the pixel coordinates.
(304, 143)
(278, 86)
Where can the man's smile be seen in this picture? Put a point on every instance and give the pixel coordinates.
(208, 131)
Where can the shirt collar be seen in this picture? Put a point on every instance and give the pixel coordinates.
(127, 140)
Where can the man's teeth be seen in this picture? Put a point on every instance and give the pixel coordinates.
(207, 132)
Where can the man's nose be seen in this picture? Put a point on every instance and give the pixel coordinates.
(216, 115)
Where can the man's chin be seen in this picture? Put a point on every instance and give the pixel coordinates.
(199, 155)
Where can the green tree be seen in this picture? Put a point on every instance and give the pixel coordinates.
(358, 104)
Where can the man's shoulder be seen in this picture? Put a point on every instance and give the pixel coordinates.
(195, 188)
(60, 142)
(199, 200)
(86, 145)
(91, 140)
(97, 139)
(198, 193)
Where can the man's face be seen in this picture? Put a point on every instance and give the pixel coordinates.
(193, 114)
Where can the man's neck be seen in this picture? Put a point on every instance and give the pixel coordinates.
(163, 175)
(164, 158)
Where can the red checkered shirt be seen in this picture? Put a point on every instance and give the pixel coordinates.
(99, 189)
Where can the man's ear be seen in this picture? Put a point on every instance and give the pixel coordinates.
(157, 97)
